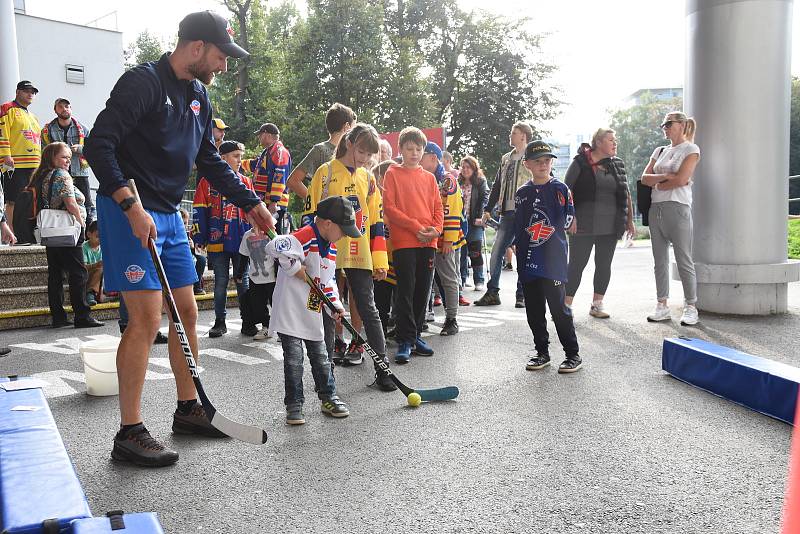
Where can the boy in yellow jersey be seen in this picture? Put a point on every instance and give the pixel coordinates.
(364, 258)
(453, 236)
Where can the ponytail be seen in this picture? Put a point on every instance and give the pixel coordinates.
(361, 134)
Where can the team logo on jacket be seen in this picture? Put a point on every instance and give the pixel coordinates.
(361, 218)
(215, 234)
(134, 274)
(539, 228)
(195, 107)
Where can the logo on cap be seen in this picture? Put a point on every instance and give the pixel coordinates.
(134, 274)
(229, 30)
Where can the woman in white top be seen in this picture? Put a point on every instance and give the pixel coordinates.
(669, 173)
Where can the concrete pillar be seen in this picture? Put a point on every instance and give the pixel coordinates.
(9, 58)
(738, 89)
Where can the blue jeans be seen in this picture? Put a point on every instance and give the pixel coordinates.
(200, 268)
(474, 242)
(503, 239)
(220, 262)
(324, 383)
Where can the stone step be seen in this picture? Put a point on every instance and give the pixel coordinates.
(22, 256)
(108, 311)
(11, 277)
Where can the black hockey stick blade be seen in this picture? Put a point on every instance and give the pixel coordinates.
(430, 395)
(246, 433)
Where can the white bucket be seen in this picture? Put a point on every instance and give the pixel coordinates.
(100, 366)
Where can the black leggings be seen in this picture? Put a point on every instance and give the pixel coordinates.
(580, 247)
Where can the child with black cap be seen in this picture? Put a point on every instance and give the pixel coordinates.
(298, 309)
(544, 211)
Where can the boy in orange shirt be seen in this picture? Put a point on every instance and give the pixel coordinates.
(413, 208)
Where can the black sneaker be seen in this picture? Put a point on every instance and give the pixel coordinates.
(382, 380)
(160, 339)
(570, 365)
(450, 327)
(88, 322)
(540, 361)
(520, 303)
(508, 266)
(490, 298)
(218, 329)
(195, 422)
(140, 448)
(249, 330)
(339, 350)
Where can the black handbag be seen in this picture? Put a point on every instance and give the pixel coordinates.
(643, 197)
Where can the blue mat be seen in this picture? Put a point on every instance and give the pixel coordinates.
(37, 479)
(762, 385)
(124, 524)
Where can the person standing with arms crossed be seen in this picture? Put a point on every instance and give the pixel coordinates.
(156, 124)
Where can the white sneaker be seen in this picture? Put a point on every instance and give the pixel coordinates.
(262, 334)
(690, 316)
(597, 310)
(430, 317)
(467, 284)
(480, 287)
(660, 314)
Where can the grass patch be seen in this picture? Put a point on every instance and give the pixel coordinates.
(794, 239)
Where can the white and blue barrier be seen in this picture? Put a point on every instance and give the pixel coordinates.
(757, 383)
(39, 490)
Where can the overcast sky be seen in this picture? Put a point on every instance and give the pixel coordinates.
(604, 50)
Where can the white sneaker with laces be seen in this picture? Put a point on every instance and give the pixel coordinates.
(690, 316)
(262, 334)
(661, 313)
(480, 287)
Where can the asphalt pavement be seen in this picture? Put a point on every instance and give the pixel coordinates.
(619, 447)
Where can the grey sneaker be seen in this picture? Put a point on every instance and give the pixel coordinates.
(335, 408)
(195, 422)
(140, 448)
(491, 298)
(294, 415)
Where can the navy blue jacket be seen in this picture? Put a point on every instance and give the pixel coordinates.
(543, 213)
(153, 128)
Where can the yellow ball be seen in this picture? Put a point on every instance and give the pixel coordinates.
(414, 399)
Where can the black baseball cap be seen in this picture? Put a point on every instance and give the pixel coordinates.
(538, 149)
(269, 128)
(229, 146)
(26, 84)
(212, 28)
(340, 211)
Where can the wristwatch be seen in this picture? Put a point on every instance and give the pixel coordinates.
(126, 203)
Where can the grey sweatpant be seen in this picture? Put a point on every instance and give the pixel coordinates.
(446, 268)
(671, 222)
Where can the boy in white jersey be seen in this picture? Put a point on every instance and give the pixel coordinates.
(297, 309)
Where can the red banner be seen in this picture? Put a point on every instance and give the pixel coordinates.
(437, 135)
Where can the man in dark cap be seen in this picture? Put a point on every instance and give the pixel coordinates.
(270, 171)
(156, 124)
(67, 129)
(20, 151)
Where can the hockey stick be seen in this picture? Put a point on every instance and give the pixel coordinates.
(246, 433)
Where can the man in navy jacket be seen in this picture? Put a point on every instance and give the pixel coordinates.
(156, 124)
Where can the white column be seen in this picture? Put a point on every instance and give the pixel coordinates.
(738, 90)
(9, 61)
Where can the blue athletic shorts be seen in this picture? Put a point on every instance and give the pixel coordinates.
(127, 266)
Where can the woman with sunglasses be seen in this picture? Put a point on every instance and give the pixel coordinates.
(669, 173)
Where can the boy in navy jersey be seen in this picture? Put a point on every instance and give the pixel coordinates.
(544, 211)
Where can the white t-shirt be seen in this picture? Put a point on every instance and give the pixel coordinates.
(262, 266)
(296, 308)
(669, 161)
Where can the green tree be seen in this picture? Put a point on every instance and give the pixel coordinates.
(146, 47)
(638, 133)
